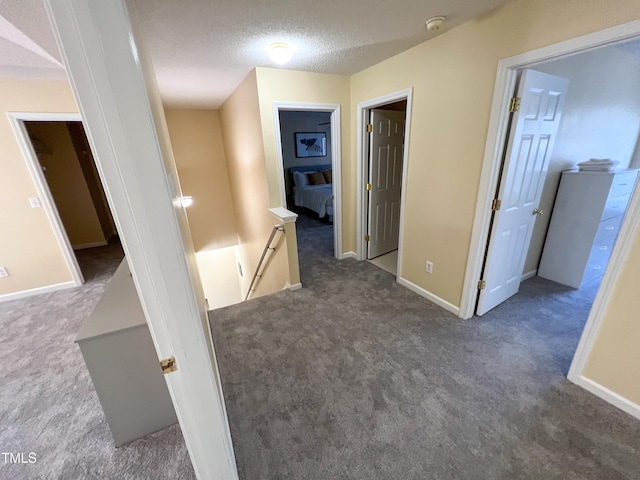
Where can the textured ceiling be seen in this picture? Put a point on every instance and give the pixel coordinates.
(202, 49)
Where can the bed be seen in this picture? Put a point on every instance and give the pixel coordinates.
(310, 192)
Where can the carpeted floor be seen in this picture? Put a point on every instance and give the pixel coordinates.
(356, 377)
(48, 405)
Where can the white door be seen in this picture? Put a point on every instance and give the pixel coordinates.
(115, 88)
(530, 144)
(386, 151)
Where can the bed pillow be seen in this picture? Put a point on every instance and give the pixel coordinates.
(328, 176)
(316, 178)
(300, 179)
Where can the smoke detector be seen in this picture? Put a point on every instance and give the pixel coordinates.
(435, 23)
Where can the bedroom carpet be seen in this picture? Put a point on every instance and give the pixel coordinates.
(48, 405)
(356, 377)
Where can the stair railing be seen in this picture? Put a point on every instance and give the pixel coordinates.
(267, 248)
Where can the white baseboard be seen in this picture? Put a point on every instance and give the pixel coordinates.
(528, 275)
(348, 255)
(608, 396)
(90, 245)
(429, 296)
(36, 291)
(294, 287)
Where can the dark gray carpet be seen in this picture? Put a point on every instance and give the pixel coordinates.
(356, 377)
(48, 405)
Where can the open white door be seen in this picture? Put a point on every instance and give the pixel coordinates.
(386, 153)
(529, 147)
(116, 91)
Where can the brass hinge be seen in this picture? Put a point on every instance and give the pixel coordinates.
(482, 284)
(514, 105)
(368, 187)
(496, 204)
(168, 365)
(367, 238)
(369, 127)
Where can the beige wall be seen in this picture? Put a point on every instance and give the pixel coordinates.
(601, 119)
(614, 361)
(453, 77)
(28, 247)
(67, 184)
(279, 85)
(245, 154)
(196, 139)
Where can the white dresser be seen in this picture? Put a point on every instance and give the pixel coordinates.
(586, 218)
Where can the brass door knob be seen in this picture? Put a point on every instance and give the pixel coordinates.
(537, 211)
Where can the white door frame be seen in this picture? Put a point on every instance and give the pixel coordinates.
(503, 91)
(362, 154)
(17, 119)
(498, 123)
(336, 160)
(115, 88)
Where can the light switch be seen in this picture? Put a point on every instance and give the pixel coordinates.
(3, 272)
(34, 202)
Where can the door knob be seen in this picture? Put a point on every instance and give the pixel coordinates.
(537, 211)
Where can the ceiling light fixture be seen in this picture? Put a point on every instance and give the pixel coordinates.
(280, 52)
(435, 23)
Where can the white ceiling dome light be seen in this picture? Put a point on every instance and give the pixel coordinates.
(280, 52)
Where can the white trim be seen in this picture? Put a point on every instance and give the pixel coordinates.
(609, 396)
(450, 307)
(503, 90)
(362, 164)
(36, 291)
(294, 287)
(284, 215)
(82, 246)
(350, 254)
(619, 255)
(528, 275)
(336, 160)
(17, 119)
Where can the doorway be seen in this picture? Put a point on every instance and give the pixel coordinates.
(69, 189)
(310, 170)
(383, 124)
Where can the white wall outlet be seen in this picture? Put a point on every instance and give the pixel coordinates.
(429, 267)
(3, 272)
(34, 202)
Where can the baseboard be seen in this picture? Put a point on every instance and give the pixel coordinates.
(348, 255)
(528, 275)
(294, 287)
(82, 246)
(36, 291)
(429, 296)
(608, 396)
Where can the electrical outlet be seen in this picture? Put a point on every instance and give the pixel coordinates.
(3, 272)
(34, 202)
(429, 267)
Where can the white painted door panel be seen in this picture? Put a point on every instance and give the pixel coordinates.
(529, 148)
(386, 152)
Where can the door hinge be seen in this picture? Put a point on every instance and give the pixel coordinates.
(482, 284)
(369, 127)
(514, 105)
(496, 204)
(168, 365)
(368, 187)
(367, 238)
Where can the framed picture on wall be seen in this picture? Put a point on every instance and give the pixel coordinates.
(311, 144)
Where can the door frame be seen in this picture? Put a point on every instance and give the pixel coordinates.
(498, 128)
(336, 160)
(362, 155)
(17, 119)
(503, 91)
